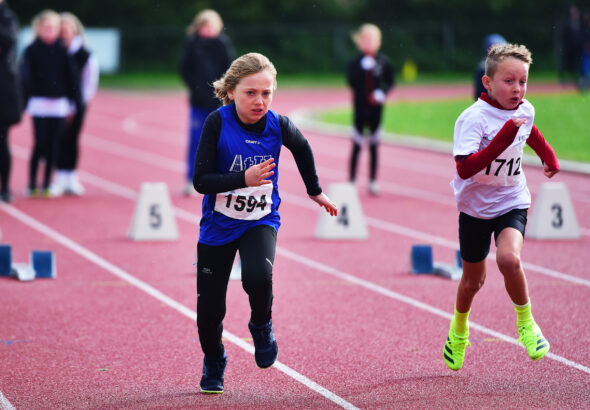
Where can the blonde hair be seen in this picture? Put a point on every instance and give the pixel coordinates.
(42, 16)
(77, 23)
(204, 17)
(248, 64)
(356, 36)
(501, 52)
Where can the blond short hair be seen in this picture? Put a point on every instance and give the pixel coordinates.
(369, 27)
(42, 16)
(207, 16)
(248, 64)
(501, 52)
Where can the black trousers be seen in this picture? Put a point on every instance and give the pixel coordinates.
(48, 131)
(68, 153)
(365, 116)
(5, 159)
(214, 263)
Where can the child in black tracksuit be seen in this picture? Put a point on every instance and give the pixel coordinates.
(50, 81)
(370, 76)
(66, 179)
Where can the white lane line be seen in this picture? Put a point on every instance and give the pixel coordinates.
(306, 203)
(145, 287)
(4, 403)
(412, 302)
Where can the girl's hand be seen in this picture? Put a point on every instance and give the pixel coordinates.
(518, 121)
(323, 200)
(256, 175)
(549, 172)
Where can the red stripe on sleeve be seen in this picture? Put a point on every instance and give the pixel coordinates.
(468, 166)
(542, 148)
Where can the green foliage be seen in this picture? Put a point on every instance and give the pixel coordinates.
(563, 120)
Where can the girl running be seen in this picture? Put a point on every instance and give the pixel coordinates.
(236, 169)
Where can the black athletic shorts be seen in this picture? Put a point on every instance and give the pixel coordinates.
(475, 233)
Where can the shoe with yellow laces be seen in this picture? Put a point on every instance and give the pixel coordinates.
(532, 339)
(454, 350)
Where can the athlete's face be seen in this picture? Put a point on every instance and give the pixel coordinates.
(253, 96)
(508, 85)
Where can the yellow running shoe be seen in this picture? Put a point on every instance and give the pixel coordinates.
(534, 341)
(454, 350)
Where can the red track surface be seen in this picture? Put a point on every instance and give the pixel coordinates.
(116, 328)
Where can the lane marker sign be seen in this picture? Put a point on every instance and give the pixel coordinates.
(153, 218)
(350, 222)
(553, 215)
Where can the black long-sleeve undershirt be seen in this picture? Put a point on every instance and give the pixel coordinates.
(206, 178)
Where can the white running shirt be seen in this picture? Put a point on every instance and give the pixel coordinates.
(501, 187)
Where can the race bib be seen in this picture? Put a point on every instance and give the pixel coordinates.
(506, 170)
(250, 203)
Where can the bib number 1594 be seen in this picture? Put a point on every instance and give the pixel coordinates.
(247, 203)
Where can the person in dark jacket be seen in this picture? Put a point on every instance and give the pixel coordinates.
(206, 56)
(10, 96)
(51, 82)
(66, 179)
(370, 75)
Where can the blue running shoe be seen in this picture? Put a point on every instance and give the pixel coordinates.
(213, 371)
(266, 349)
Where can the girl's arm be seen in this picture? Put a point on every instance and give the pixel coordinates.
(542, 148)
(469, 165)
(301, 150)
(206, 178)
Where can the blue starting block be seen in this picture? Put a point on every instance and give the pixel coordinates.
(43, 263)
(423, 263)
(421, 259)
(5, 260)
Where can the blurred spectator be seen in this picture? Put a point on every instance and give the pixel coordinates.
(570, 33)
(585, 64)
(51, 81)
(66, 179)
(10, 101)
(370, 76)
(206, 56)
(489, 41)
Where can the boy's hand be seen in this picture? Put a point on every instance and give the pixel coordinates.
(548, 171)
(518, 121)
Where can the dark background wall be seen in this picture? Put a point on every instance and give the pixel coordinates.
(314, 36)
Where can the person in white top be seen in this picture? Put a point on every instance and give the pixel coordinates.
(66, 179)
(492, 195)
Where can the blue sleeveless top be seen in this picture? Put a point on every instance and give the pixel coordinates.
(228, 215)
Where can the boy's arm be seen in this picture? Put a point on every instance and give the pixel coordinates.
(469, 165)
(542, 148)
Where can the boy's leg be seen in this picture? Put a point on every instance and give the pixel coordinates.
(509, 241)
(474, 239)
(257, 253)
(509, 245)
